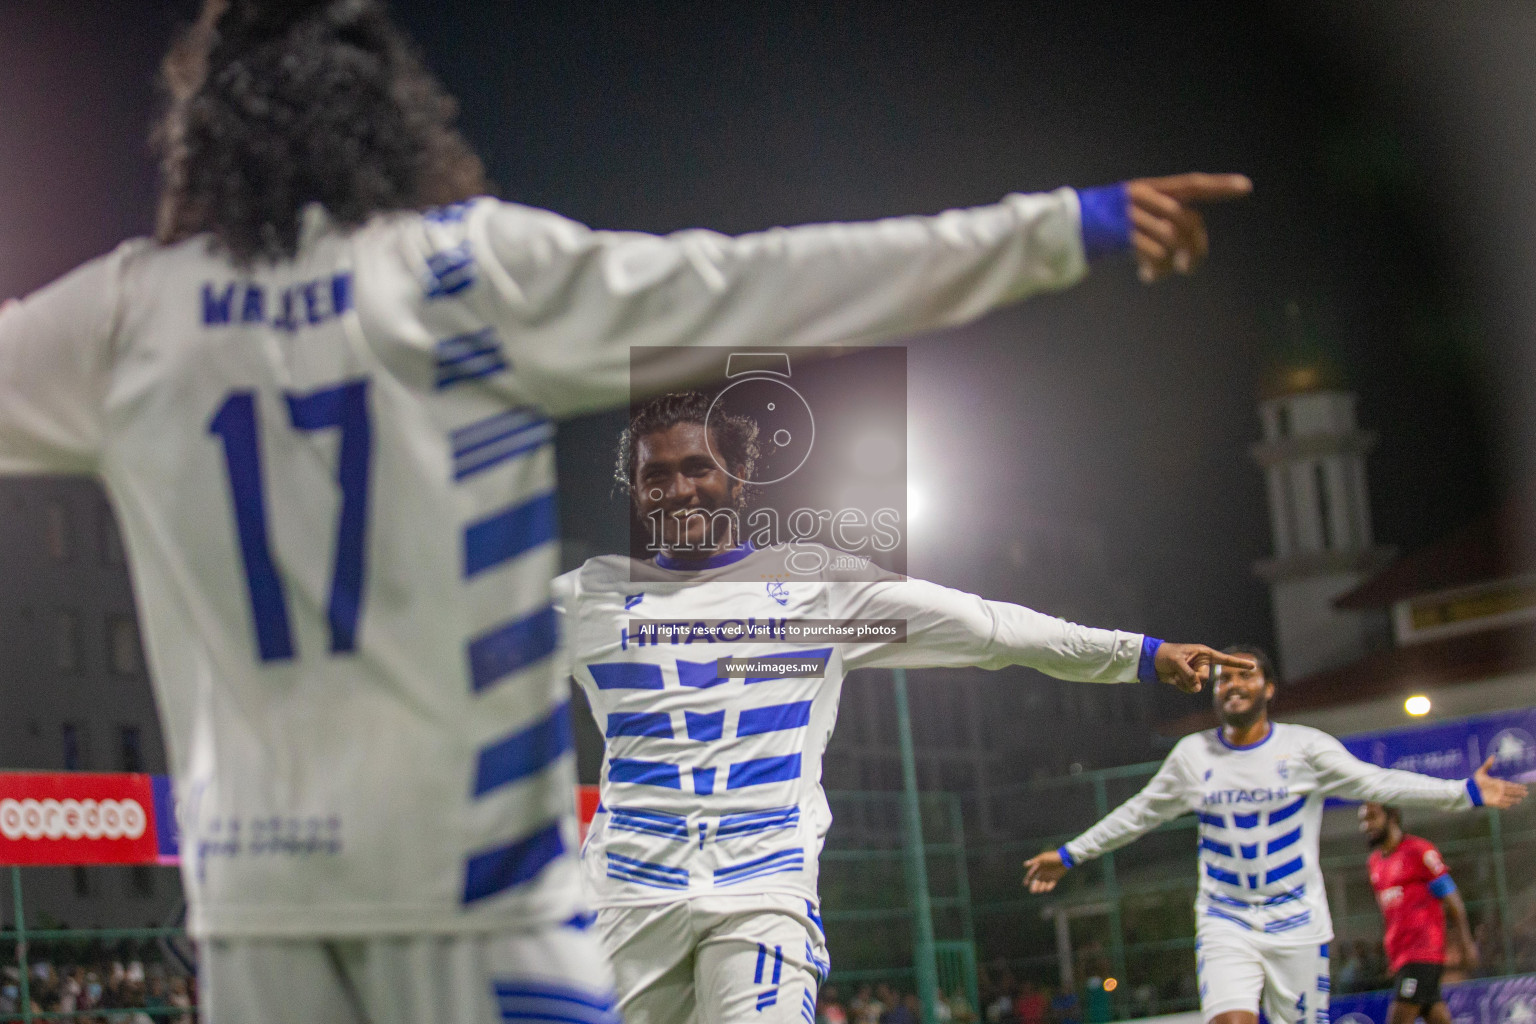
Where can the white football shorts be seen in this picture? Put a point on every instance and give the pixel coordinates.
(555, 975)
(717, 960)
(1249, 971)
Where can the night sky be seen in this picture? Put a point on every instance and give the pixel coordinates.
(1386, 208)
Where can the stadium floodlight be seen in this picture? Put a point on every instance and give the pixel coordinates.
(1417, 705)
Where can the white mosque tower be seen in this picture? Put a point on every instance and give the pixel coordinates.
(1313, 457)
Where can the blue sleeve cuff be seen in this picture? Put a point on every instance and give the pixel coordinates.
(1106, 219)
(1475, 793)
(1146, 668)
(1066, 858)
(1442, 887)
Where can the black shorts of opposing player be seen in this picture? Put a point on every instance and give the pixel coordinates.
(1418, 984)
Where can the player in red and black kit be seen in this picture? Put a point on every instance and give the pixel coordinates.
(1412, 885)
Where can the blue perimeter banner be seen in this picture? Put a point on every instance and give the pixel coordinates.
(1485, 1001)
(1454, 749)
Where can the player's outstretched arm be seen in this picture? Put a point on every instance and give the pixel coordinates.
(1343, 775)
(578, 301)
(949, 628)
(1166, 795)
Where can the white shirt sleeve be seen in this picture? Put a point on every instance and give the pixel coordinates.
(55, 362)
(1341, 774)
(573, 302)
(1166, 795)
(950, 628)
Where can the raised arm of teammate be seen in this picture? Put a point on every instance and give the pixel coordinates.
(1165, 796)
(590, 315)
(950, 628)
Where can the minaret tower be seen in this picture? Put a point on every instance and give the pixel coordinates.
(1313, 457)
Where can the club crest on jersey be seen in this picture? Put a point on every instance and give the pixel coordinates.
(1282, 769)
(778, 591)
(630, 600)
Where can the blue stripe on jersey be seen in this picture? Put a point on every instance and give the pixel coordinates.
(774, 718)
(1286, 897)
(810, 912)
(1276, 845)
(1285, 924)
(1223, 915)
(821, 967)
(646, 872)
(540, 1001)
(753, 822)
(491, 441)
(703, 781)
(468, 356)
(1215, 847)
(499, 869)
(645, 773)
(1211, 894)
(1277, 816)
(1214, 820)
(1221, 875)
(512, 647)
(625, 675)
(762, 770)
(698, 674)
(808, 1007)
(1324, 983)
(776, 863)
(634, 819)
(1245, 820)
(529, 750)
(1250, 852)
(450, 271)
(1283, 871)
(820, 652)
(704, 727)
(639, 723)
(503, 536)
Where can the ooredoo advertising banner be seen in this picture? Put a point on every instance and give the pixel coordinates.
(82, 818)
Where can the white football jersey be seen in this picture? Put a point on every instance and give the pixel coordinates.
(1261, 810)
(713, 785)
(336, 486)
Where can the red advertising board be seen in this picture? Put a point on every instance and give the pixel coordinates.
(77, 818)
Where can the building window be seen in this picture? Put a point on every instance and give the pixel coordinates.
(123, 654)
(131, 748)
(141, 881)
(76, 749)
(66, 640)
(108, 537)
(58, 531)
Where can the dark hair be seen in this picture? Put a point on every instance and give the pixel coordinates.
(274, 104)
(734, 438)
(1260, 655)
(1393, 813)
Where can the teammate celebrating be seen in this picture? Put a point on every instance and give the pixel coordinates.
(1262, 924)
(703, 855)
(1412, 885)
(320, 402)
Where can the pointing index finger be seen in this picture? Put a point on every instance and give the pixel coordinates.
(1203, 188)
